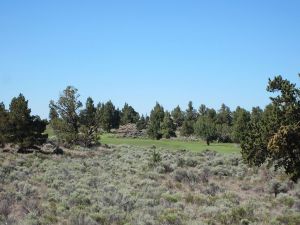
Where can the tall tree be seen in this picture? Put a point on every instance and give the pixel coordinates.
(224, 115)
(108, 116)
(241, 119)
(129, 115)
(191, 114)
(202, 110)
(24, 129)
(178, 116)
(167, 126)
(3, 124)
(156, 118)
(67, 125)
(187, 128)
(276, 135)
(142, 123)
(88, 124)
(53, 114)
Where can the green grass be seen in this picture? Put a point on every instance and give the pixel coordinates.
(171, 144)
(167, 144)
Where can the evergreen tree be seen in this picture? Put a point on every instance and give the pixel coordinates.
(53, 114)
(156, 118)
(66, 126)
(191, 114)
(241, 119)
(88, 125)
(168, 127)
(3, 125)
(107, 116)
(224, 115)
(256, 114)
(142, 123)
(276, 136)
(202, 110)
(24, 129)
(187, 128)
(205, 128)
(178, 116)
(129, 115)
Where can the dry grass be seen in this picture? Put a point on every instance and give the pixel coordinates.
(122, 185)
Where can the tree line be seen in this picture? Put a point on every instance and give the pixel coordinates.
(268, 135)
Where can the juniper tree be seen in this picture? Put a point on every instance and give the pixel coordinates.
(129, 115)
(205, 128)
(3, 124)
(156, 119)
(276, 136)
(167, 126)
(24, 129)
(67, 107)
(190, 118)
(88, 131)
(142, 123)
(241, 119)
(178, 116)
(108, 117)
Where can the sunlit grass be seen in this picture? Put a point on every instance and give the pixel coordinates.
(171, 144)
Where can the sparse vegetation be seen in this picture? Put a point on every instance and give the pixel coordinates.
(163, 180)
(116, 186)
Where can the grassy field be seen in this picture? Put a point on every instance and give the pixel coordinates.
(171, 144)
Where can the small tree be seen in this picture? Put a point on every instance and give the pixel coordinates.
(168, 127)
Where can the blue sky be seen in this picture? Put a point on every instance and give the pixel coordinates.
(140, 52)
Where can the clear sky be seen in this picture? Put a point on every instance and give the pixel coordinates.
(140, 52)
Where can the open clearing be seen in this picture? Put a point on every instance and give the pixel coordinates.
(195, 146)
(122, 185)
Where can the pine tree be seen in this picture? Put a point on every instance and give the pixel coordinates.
(66, 123)
(129, 115)
(205, 128)
(177, 116)
(53, 114)
(241, 119)
(24, 129)
(191, 114)
(156, 118)
(187, 128)
(3, 125)
(276, 136)
(88, 125)
(202, 110)
(167, 126)
(107, 116)
(142, 123)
